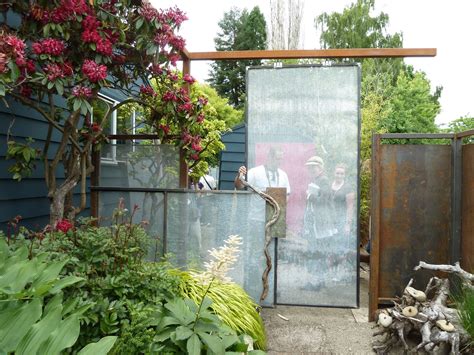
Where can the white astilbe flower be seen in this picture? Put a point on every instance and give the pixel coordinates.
(222, 260)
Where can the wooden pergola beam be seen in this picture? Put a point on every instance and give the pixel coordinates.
(312, 53)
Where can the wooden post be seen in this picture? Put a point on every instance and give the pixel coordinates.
(183, 167)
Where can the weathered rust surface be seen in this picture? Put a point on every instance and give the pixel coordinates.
(467, 228)
(279, 194)
(415, 213)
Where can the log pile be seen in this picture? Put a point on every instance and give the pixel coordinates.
(424, 314)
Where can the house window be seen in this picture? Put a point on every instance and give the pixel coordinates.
(121, 121)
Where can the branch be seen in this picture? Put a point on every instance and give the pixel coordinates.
(31, 103)
(454, 269)
(268, 238)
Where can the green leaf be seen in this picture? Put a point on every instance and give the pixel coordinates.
(183, 333)
(39, 332)
(65, 282)
(63, 337)
(213, 342)
(15, 71)
(53, 303)
(15, 322)
(180, 311)
(256, 352)
(2, 89)
(139, 23)
(193, 345)
(206, 303)
(77, 104)
(165, 321)
(50, 273)
(50, 85)
(102, 347)
(161, 337)
(59, 88)
(26, 155)
(229, 340)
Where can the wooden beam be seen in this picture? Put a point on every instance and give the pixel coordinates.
(314, 53)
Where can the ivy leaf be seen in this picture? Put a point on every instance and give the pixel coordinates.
(15, 72)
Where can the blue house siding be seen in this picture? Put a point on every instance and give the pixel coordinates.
(27, 198)
(232, 157)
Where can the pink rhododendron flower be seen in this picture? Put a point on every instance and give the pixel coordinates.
(26, 91)
(3, 63)
(165, 128)
(156, 69)
(176, 16)
(49, 46)
(93, 71)
(194, 156)
(64, 225)
(203, 101)
(104, 46)
(54, 72)
(148, 12)
(173, 76)
(170, 96)
(177, 42)
(173, 58)
(187, 107)
(82, 92)
(147, 90)
(200, 118)
(188, 78)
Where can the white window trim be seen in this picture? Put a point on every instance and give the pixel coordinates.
(113, 127)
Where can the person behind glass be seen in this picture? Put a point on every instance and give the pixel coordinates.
(343, 201)
(207, 182)
(319, 213)
(266, 175)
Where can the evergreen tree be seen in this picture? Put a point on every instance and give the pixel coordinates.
(239, 30)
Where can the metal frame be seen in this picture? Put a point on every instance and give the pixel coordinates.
(359, 116)
(455, 240)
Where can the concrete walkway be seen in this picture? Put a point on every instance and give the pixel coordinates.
(312, 330)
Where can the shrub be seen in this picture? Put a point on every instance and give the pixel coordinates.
(231, 303)
(33, 317)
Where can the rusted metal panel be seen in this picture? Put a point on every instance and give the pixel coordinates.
(375, 230)
(467, 229)
(415, 213)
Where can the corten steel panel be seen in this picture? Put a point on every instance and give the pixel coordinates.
(467, 236)
(415, 213)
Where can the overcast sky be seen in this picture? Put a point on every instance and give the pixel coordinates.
(445, 25)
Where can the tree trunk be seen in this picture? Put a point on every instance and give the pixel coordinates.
(58, 198)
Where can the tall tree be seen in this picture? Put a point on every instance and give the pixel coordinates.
(239, 30)
(286, 17)
(394, 97)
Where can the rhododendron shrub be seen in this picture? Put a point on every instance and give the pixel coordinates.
(74, 48)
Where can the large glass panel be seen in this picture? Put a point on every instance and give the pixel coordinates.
(141, 165)
(145, 208)
(198, 222)
(303, 129)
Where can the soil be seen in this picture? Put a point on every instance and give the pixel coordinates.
(315, 330)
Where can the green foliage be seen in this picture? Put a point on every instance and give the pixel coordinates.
(120, 291)
(239, 30)
(231, 303)
(218, 106)
(413, 107)
(24, 156)
(464, 300)
(186, 327)
(460, 125)
(26, 326)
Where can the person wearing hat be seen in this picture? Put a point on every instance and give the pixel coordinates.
(319, 214)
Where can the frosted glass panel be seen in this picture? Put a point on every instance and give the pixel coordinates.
(139, 165)
(149, 211)
(198, 222)
(303, 129)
